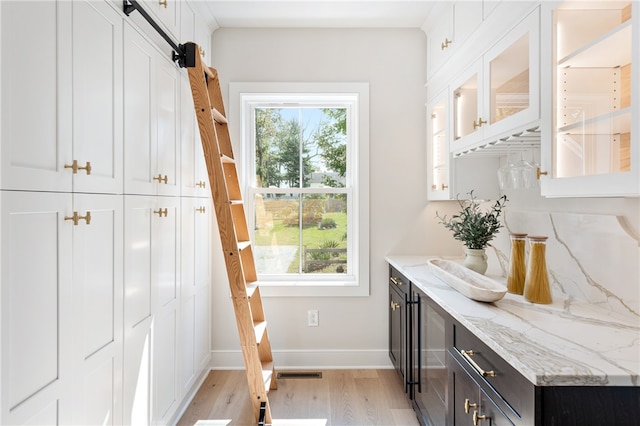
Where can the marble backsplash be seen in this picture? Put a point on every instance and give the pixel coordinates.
(590, 257)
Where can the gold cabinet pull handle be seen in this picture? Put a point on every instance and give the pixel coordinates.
(467, 355)
(161, 212)
(74, 167)
(395, 281)
(468, 404)
(200, 209)
(161, 179)
(202, 52)
(445, 43)
(394, 305)
(76, 218)
(444, 186)
(479, 123)
(163, 3)
(477, 418)
(540, 173)
(201, 184)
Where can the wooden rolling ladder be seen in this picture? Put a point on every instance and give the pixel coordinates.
(234, 232)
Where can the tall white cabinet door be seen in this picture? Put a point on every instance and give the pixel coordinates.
(97, 97)
(36, 308)
(36, 95)
(195, 181)
(150, 308)
(202, 283)
(138, 288)
(195, 279)
(98, 290)
(165, 245)
(139, 113)
(168, 98)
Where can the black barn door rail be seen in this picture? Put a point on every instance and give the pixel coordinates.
(181, 53)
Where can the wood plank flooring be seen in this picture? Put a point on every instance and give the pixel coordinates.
(339, 398)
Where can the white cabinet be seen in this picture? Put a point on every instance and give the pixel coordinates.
(61, 121)
(151, 96)
(195, 180)
(592, 84)
(499, 93)
(195, 278)
(167, 12)
(151, 308)
(97, 309)
(37, 321)
(449, 178)
(91, 301)
(450, 26)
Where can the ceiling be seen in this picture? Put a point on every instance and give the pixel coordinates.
(317, 13)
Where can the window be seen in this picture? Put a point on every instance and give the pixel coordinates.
(305, 185)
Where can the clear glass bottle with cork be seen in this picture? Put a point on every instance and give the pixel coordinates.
(536, 284)
(517, 265)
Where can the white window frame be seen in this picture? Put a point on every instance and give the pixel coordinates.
(242, 98)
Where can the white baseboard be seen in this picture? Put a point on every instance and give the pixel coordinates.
(310, 358)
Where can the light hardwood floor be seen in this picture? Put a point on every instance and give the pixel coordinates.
(339, 398)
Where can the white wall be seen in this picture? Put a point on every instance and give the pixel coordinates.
(353, 330)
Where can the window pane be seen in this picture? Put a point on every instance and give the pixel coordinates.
(324, 233)
(277, 233)
(325, 133)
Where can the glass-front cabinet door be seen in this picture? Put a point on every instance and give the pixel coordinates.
(438, 148)
(592, 148)
(499, 94)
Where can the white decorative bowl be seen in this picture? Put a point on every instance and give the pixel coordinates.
(470, 283)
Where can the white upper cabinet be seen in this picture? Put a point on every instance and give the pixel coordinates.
(450, 26)
(61, 126)
(97, 98)
(167, 12)
(591, 92)
(447, 179)
(151, 96)
(499, 93)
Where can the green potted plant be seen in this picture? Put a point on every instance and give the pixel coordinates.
(475, 228)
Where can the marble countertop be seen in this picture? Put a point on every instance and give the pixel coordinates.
(566, 343)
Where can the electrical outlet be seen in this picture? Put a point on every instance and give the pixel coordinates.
(312, 318)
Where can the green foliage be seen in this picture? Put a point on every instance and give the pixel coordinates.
(327, 223)
(331, 139)
(472, 226)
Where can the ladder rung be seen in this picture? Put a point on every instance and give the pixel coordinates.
(236, 202)
(259, 328)
(251, 288)
(210, 73)
(243, 245)
(217, 116)
(267, 374)
(226, 159)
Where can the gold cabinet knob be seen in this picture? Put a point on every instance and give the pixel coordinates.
(161, 179)
(394, 305)
(468, 404)
(540, 173)
(75, 167)
(201, 184)
(445, 43)
(443, 186)
(477, 418)
(162, 212)
(200, 209)
(163, 3)
(479, 123)
(76, 218)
